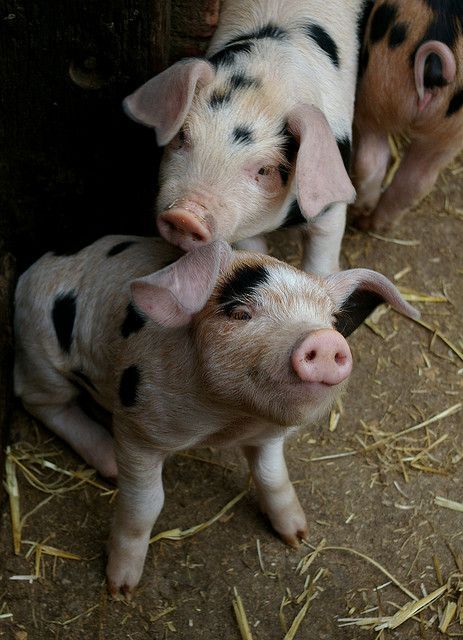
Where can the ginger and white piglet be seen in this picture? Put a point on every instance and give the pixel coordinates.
(258, 135)
(411, 83)
(219, 348)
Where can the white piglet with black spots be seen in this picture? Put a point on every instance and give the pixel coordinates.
(258, 134)
(213, 348)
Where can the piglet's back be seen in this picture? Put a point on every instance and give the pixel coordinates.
(70, 304)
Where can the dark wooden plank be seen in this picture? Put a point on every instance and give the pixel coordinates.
(73, 166)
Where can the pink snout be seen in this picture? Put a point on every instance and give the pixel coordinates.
(323, 356)
(186, 226)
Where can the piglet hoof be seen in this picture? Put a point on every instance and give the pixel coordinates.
(126, 558)
(289, 521)
(294, 539)
(362, 221)
(379, 224)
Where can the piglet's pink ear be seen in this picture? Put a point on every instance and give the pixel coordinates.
(174, 294)
(357, 292)
(164, 101)
(435, 66)
(321, 178)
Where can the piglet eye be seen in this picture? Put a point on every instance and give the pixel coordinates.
(241, 313)
(266, 171)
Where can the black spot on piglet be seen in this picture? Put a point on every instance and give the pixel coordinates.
(381, 21)
(128, 386)
(243, 134)
(324, 41)
(63, 316)
(397, 35)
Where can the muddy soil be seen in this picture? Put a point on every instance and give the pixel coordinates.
(378, 501)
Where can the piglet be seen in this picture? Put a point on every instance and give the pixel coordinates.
(217, 348)
(257, 136)
(411, 83)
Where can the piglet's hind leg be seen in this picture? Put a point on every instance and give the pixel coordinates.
(414, 179)
(277, 496)
(88, 438)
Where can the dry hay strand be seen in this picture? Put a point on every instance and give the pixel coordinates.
(399, 241)
(12, 488)
(452, 590)
(181, 534)
(240, 615)
(310, 592)
(445, 617)
(414, 296)
(322, 548)
(438, 334)
(416, 453)
(40, 549)
(448, 504)
(47, 477)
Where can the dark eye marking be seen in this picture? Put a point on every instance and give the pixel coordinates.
(63, 316)
(323, 39)
(226, 56)
(241, 285)
(128, 386)
(218, 99)
(133, 321)
(456, 103)
(240, 81)
(294, 216)
(119, 248)
(397, 35)
(243, 134)
(269, 30)
(382, 20)
(345, 149)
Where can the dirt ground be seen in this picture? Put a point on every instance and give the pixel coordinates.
(378, 500)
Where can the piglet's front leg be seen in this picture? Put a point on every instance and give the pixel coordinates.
(139, 502)
(277, 496)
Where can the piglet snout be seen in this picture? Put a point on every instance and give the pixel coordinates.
(185, 226)
(323, 356)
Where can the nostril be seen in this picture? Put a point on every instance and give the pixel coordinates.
(171, 225)
(311, 355)
(197, 237)
(340, 358)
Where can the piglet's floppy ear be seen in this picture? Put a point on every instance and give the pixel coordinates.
(357, 292)
(321, 178)
(174, 294)
(435, 67)
(164, 101)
